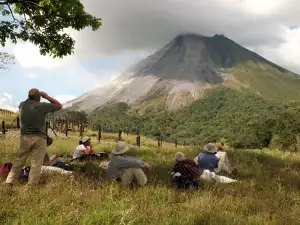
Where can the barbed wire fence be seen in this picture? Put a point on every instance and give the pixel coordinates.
(61, 128)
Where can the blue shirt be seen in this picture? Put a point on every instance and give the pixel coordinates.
(208, 161)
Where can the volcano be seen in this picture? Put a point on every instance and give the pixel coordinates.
(179, 73)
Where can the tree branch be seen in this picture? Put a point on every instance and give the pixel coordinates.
(22, 1)
(12, 14)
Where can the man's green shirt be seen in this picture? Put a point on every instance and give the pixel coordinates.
(33, 116)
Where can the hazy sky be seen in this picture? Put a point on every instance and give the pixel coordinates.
(133, 29)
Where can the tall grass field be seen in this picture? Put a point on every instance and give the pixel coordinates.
(268, 191)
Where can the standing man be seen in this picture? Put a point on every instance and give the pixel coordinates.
(33, 138)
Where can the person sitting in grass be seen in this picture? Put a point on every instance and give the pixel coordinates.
(223, 164)
(126, 168)
(80, 151)
(185, 172)
(84, 151)
(209, 163)
(95, 155)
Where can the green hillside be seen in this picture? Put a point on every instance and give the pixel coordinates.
(265, 81)
(239, 117)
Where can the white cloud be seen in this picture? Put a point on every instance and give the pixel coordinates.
(258, 24)
(63, 98)
(261, 8)
(31, 75)
(288, 53)
(6, 102)
(28, 56)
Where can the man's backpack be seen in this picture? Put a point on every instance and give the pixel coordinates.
(183, 182)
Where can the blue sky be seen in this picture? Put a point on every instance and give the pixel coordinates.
(134, 29)
(63, 82)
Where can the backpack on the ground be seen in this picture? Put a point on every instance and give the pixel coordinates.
(6, 168)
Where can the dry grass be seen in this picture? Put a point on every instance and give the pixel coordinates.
(268, 193)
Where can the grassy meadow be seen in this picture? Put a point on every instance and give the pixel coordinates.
(267, 194)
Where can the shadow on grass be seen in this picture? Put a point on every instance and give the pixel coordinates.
(160, 174)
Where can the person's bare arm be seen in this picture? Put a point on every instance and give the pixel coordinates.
(51, 100)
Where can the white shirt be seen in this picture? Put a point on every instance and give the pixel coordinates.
(77, 151)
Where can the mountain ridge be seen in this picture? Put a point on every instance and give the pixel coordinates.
(180, 72)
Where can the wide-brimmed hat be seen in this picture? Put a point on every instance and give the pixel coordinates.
(85, 139)
(179, 156)
(121, 147)
(211, 148)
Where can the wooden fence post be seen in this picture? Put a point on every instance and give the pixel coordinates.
(99, 134)
(18, 122)
(3, 127)
(120, 135)
(67, 128)
(81, 130)
(138, 140)
(61, 127)
(176, 143)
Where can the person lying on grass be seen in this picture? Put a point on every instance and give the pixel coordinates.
(56, 161)
(51, 168)
(84, 152)
(209, 163)
(126, 168)
(46, 168)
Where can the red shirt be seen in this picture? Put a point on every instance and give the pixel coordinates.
(187, 167)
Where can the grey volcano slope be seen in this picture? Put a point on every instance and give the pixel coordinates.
(177, 74)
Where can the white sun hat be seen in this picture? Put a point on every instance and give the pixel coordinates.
(120, 148)
(211, 148)
(85, 139)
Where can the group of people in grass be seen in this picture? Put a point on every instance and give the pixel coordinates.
(186, 172)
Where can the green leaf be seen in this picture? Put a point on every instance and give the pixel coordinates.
(43, 22)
